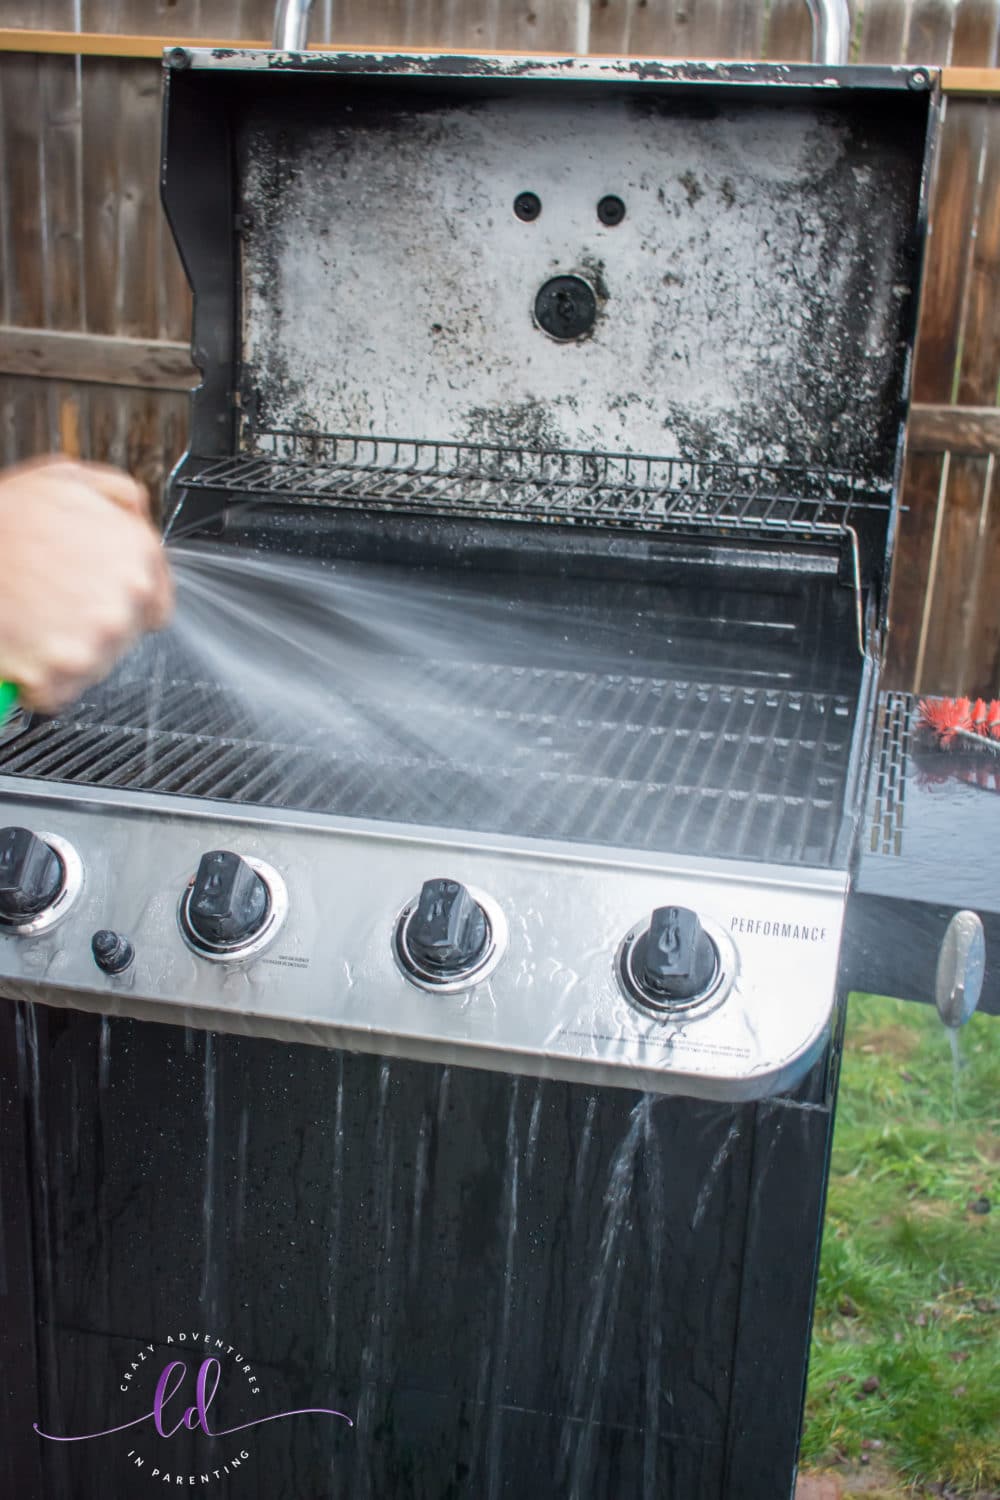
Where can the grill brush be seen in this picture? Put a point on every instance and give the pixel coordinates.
(973, 722)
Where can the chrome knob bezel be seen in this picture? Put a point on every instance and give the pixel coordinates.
(72, 885)
(641, 999)
(453, 983)
(227, 953)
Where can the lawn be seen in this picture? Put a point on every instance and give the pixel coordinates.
(904, 1386)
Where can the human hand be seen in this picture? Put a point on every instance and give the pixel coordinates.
(82, 576)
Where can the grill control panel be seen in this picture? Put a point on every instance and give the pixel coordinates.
(658, 973)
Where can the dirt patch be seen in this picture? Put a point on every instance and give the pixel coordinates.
(888, 1041)
(988, 1146)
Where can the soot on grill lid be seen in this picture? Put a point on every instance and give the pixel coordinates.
(423, 248)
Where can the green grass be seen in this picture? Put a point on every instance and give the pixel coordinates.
(905, 1371)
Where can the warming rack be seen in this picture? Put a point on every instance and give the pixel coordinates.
(486, 480)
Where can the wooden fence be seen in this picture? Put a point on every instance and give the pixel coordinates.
(95, 310)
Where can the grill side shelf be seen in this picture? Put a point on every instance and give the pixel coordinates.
(482, 481)
(933, 827)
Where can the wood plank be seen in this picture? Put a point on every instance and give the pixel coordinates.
(953, 429)
(789, 32)
(101, 193)
(69, 406)
(515, 25)
(136, 120)
(619, 26)
(929, 36)
(882, 36)
(984, 617)
(914, 545)
(948, 255)
(979, 373)
(472, 26)
(883, 31)
(144, 432)
(713, 28)
(750, 38)
(62, 204)
(101, 44)
(946, 658)
(970, 80)
(236, 18)
(49, 13)
(150, 363)
(685, 28)
(24, 291)
(975, 37)
(24, 421)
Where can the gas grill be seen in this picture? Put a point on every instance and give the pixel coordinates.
(619, 351)
(742, 304)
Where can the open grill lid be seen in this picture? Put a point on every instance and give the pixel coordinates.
(367, 270)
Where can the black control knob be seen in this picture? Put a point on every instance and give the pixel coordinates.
(448, 932)
(229, 902)
(675, 960)
(31, 875)
(113, 954)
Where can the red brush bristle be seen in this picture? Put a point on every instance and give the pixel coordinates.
(944, 717)
(951, 719)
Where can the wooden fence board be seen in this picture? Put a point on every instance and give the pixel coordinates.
(948, 610)
(96, 359)
(948, 250)
(981, 666)
(101, 194)
(975, 34)
(789, 32)
(27, 13)
(222, 18)
(883, 33)
(929, 35)
(24, 292)
(954, 429)
(60, 99)
(139, 210)
(486, 24)
(922, 487)
(24, 419)
(678, 28)
(979, 373)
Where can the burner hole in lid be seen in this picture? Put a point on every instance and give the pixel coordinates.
(611, 210)
(527, 207)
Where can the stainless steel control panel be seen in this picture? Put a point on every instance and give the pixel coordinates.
(484, 952)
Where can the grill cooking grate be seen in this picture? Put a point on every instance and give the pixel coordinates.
(635, 761)
(475, 479)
